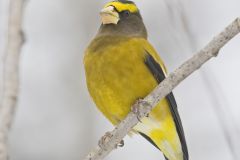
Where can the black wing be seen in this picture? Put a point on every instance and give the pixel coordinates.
(158, 73)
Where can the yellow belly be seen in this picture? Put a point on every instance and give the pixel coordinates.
(117, 76)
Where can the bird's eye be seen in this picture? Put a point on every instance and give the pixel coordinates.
(126, 13)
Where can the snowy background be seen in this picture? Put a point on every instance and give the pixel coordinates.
(56, 119)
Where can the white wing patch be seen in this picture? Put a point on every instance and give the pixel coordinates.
(147, 125)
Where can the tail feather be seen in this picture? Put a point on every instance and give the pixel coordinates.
(161, 133)
(150, 140)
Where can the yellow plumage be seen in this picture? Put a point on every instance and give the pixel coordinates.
(121, 67)
(121, 7)
(117, 77)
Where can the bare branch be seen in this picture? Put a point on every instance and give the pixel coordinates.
(164, 88)
(11, 72)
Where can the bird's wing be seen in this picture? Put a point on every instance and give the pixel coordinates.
(159, 74)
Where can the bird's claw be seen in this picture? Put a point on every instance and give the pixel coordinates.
(120, 144)
(136, 108)
(104, 139)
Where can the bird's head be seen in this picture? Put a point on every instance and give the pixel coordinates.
(122, 18)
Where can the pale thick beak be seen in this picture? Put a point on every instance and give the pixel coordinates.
(109, 15)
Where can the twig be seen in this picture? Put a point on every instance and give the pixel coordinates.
(11, 72)
(164, 88)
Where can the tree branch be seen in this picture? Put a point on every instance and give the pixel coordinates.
(11, 72)
(163, 89)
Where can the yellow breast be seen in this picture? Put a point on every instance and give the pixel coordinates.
(116, 74)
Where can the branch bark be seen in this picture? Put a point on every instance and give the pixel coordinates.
(11, 72)
(164, 88)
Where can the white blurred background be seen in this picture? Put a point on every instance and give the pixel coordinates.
(56, 119)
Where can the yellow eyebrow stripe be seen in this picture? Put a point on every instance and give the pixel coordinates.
(122, 6)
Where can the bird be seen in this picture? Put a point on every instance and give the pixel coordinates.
(122, 67)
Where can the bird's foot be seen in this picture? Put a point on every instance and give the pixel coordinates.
(136, 108)
(120, 144)
(104, 139)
